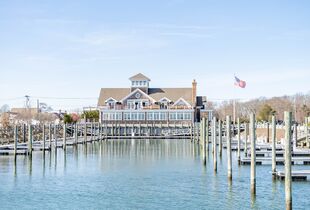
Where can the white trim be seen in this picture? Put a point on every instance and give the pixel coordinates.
(110, 99)
(165, 98)
(134, 92)
(181, 99)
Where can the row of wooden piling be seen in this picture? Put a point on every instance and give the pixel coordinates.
(251, 130)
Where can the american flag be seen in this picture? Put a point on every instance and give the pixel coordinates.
(239, 82)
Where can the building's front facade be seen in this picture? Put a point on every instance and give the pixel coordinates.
(140, 103)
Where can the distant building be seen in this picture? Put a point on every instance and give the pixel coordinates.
(140, 103)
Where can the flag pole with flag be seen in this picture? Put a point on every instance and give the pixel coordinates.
(239, 83)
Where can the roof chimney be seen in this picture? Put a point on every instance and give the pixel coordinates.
(194, 92)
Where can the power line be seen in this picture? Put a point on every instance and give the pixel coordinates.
(65, 98)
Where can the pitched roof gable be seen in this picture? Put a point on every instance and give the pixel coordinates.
(139, 77)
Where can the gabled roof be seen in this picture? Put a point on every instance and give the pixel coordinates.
(137, 91)
(116, 93)
(156, 93)
(139, 77)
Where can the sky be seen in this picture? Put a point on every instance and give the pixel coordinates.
(63, 51)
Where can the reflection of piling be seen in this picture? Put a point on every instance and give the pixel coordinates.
(288, 161)
(238, 139)
(228, 142)
(273, 139)
(30, 140)
(253, 153)
(220, 138)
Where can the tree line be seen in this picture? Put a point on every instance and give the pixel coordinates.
(264, 108)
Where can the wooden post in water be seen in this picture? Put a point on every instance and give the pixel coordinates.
(24, 132)
(85, 133)
(50, 135)
(207, 135)
(228, 142)
(253, 153)
(238, 139)
(295, 137)
(92, 131)
(246, 133)
(215, 146)
(55, 136)
(267, 132)
(288, 160)
(204, 152)
(307, 136)
(64, 144)
(273, 139)
(75, 133)
(15, 139)
(30, 140)
(220, 139)
(44, 138)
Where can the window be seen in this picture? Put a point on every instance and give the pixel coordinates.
(150, 116)
(141, 116)
(140, 83)
(144, 83)
(163, 116)
(180, 116)
(187, 116)
(172, 116)
(156, 116)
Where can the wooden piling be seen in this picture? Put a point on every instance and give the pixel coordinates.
(30, 139)
(295, 136)
(24, 132)
(220, 139)
(204, 152)
(288, 160)
(55, 136)
(306, 129)
(273, 139)
(207, 135)
(228, 142)
(215, 146)
(76, 133)
(15, 139)
(85, 133)
(253, 153)
(246, 134)
(44, 137)
(238, 139)
(50, 135)
(64, 144)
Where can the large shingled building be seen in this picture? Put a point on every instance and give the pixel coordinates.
(139, 102)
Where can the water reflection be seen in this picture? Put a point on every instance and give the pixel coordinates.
(174, 167)
(30, 165)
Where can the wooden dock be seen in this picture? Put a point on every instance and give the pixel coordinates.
(300, 175)
(279, 161)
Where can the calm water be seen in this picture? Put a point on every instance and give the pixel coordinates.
(140, 174)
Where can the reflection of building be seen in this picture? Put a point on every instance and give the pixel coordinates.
(142, 103)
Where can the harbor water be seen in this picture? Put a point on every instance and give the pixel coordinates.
(138, 174)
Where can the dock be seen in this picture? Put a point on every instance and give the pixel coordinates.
(300, 175)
